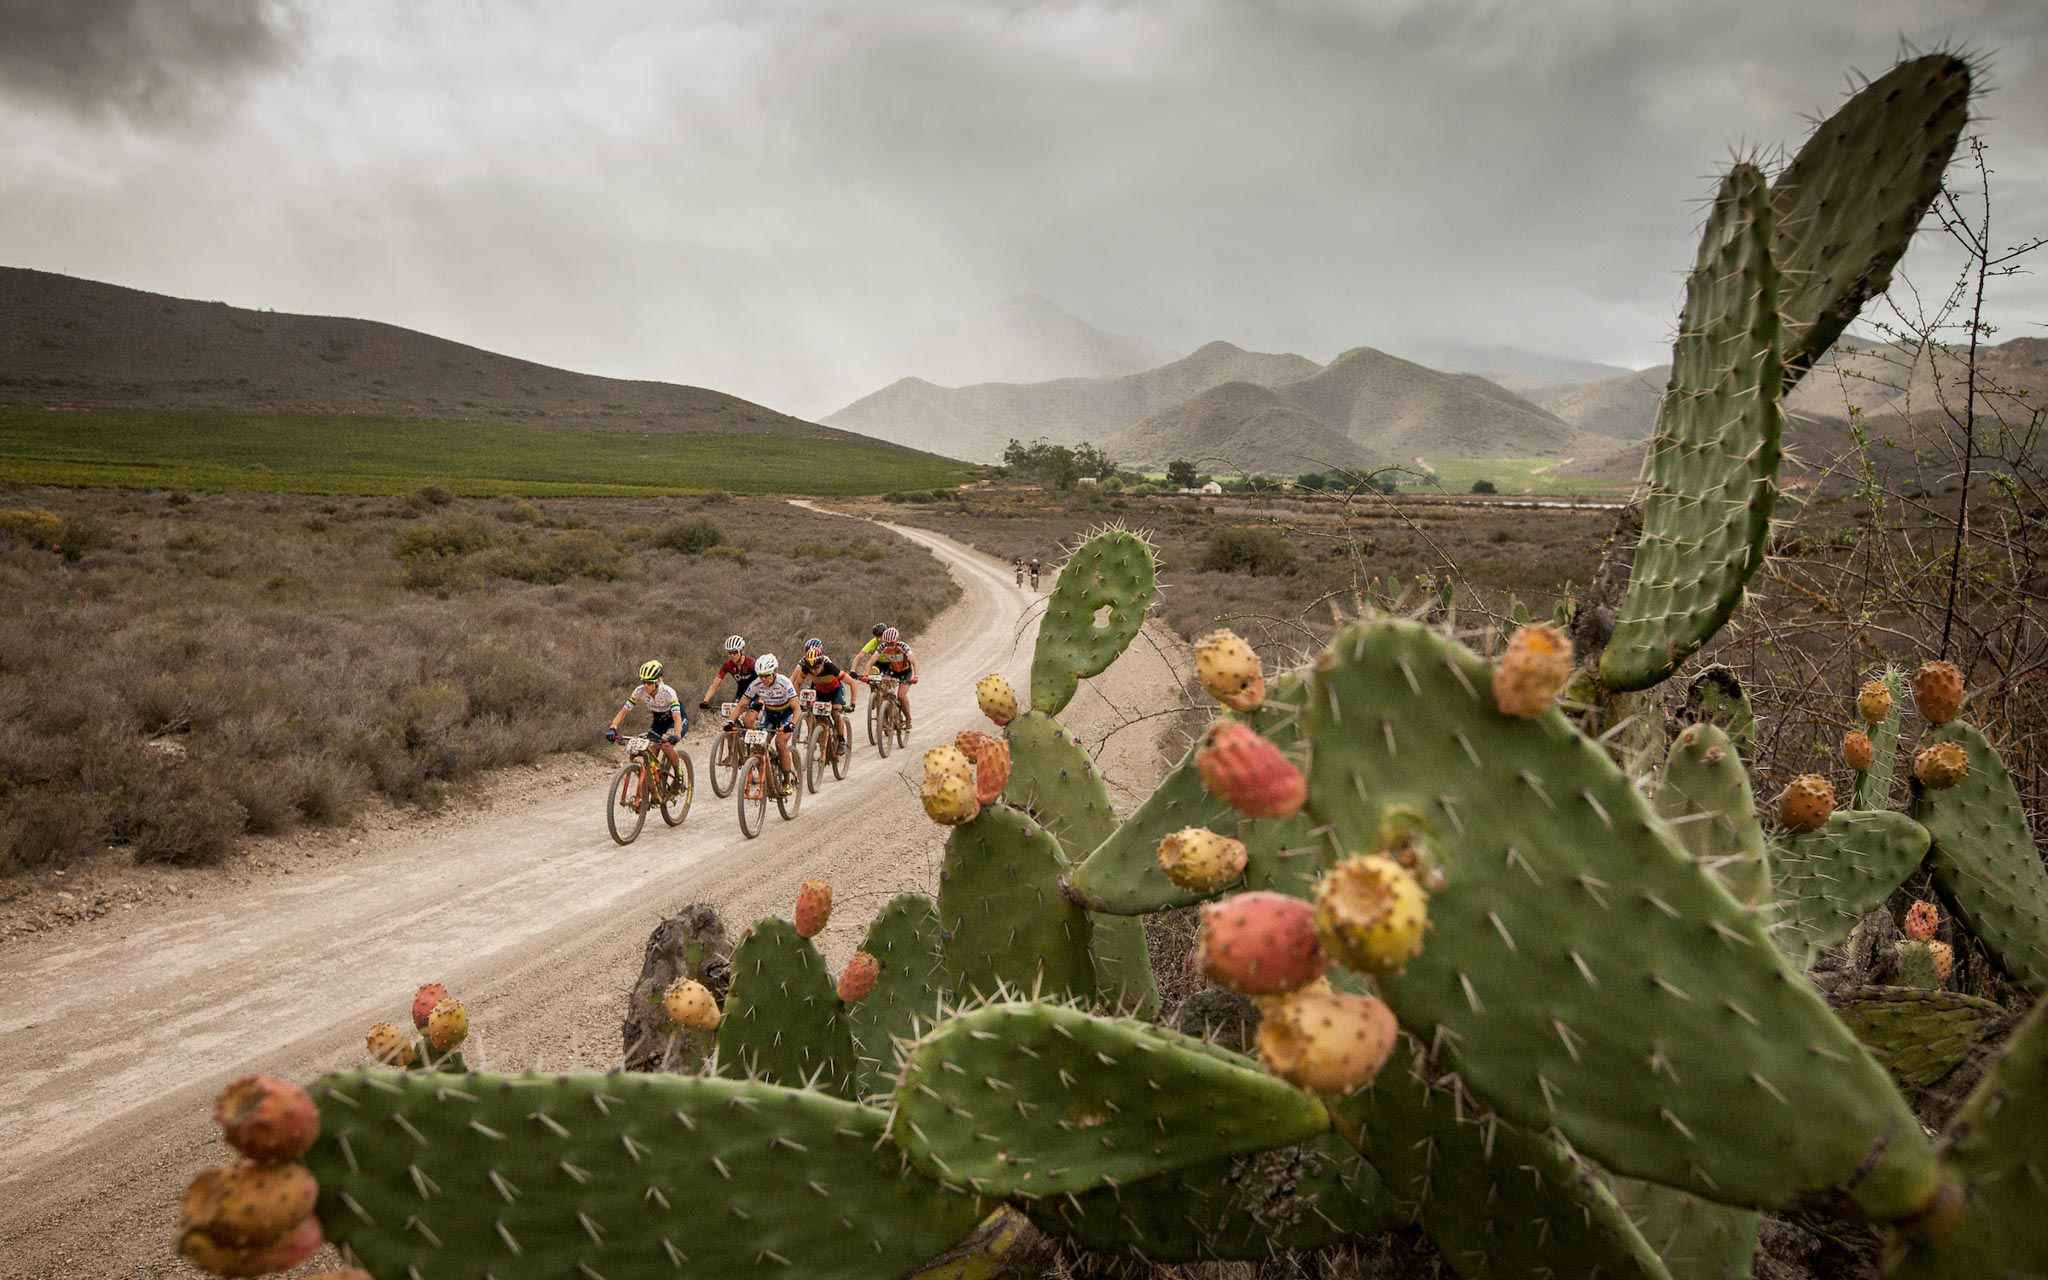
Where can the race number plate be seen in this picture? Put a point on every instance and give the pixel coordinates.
(822, 710)
(755, 737)
(810, 696)
(726, 709)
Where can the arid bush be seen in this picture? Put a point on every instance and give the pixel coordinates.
(192, 830)
(690, 535)
(1260, 551)
(451, 536)
(41, 827)
(33, 527)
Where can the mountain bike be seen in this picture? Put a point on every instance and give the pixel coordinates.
(725, 752)
(1019, 567)
(646, 779)
(885, 715)
(756, 767)
(825, 745)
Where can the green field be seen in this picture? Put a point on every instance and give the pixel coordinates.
(294, 453)
(1510, 475)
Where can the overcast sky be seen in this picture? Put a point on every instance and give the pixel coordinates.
(769, 196)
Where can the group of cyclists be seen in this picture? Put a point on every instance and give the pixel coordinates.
(766, 697)
(1018, 563)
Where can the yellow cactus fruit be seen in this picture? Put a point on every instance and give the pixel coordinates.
(1874, 701)
(949, 799)
(1230, 670)
(1944, 957)
(1941, 766)
(1533, 671)
(390, 1046)
(447, 1025)
(1199, 860)
(1370, 913)
(1857, 751)
(998, 701)
(948, 761)
(689, 1005)
(1806, 803)
(1325, 1041)
(1938, 691)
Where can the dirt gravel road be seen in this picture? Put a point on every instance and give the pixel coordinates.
(115, 1035)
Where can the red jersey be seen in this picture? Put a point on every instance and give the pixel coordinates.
(739, 664)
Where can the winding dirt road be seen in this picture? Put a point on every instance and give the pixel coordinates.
(115, 1035)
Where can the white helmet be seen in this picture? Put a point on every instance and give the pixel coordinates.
(765, 665)
(733, 644)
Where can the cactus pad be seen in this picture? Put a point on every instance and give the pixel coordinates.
(1006, 925)
(1985, 859)
(1694, 1238)
(1704, 798)
(1111, 574)
(783, 1020)
(1873, 788)
(1499, 1201)
(1121, 875)
(1827, 879)
(1996, 1149)
(523, 1177)
(1711, 473)
(905, 939)
(1040, 1099)
(1581, 971)
(1918, 1035)
(1847, 206)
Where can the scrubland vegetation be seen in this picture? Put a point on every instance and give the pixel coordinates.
(176, 670)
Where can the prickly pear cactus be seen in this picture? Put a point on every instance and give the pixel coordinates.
(525, 1177)
(1704, 798)
(1716, 697)
(1918, 1034)
(905, 939)
(1053, 779)
(1827, 879)
(783, 1021)
(1847, 206)
(1111, 575)
(1581, 971)
(1121, 875)
(1006, 925)
(1985, 859)
(1873, 788)
(1695, 1239)
(1245, 1208)
(1037, 1099)
(1497, 1200)
(1993, 1153)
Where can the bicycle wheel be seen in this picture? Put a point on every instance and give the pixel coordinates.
(625, 809)
(753, 794)
(682, 790)
(788, 804)
(902, 727)
(725, 764)
(842, 751)
(874, 709)
(815, 752)
(885, 739)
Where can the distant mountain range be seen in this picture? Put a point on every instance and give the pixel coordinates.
(1025, 338)
(1513, 367)
(66, 342)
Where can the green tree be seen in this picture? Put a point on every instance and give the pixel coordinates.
(1181, 474)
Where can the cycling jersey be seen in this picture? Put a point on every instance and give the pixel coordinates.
(870, 646)
(825, 676)
(662, 701)
(775, 693)
(894, 657)
(739, 664)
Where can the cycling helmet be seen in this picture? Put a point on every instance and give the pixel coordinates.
(890, 636)
(814, 645)
(765, 665)
(880, 627)
(733, 644)
(650, 671)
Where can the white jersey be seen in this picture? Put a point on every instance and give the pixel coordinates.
(663, 699)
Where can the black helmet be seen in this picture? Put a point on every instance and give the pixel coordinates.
(880, 627)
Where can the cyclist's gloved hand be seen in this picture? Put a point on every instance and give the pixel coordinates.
(672, 738)
(611, 735)
(703, 706)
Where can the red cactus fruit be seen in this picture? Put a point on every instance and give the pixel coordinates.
(1260, 944)
(857, 980)
(1922, 919)
(1938, 691)
(265, 1118)
(813, 908)
(423, 1002)
(1944, 960)
(1326, 1041)
(1533, 670)
(249, 1204)
(1857, 750)
(990, 756)
(1243, 768)
(447, 1025)
(301, 1243)
(1806, 803)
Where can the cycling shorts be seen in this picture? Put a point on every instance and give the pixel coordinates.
(838, 697)
(897, 673)
(775, 720)
(665, 722)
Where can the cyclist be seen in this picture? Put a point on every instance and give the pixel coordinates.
(1017, 563)
(830, 683)
(737, 665)
(670, 721)
(894, 659)
(772, 697)
(1034, 573)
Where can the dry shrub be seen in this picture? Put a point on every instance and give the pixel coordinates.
(691, 535)
(42, 827)
(195, 829)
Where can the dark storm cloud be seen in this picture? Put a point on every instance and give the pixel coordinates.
(148, 61)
